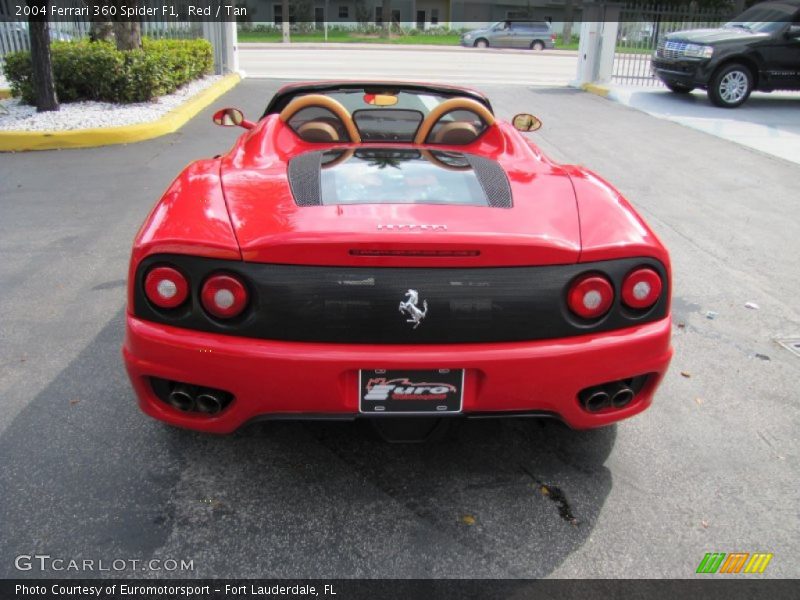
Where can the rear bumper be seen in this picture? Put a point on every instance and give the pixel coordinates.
(293, 379)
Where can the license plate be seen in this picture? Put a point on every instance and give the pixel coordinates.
(430, 391)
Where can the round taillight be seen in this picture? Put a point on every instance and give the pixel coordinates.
(590, 296)
(224, 296)
(641, 288)
(166, 287)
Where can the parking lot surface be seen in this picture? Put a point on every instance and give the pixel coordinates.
(712, 466)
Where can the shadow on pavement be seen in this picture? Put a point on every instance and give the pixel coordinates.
(86, 476)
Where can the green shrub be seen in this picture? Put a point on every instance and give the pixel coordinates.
(98, 71)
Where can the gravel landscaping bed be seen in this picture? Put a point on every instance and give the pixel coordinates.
(89, 115)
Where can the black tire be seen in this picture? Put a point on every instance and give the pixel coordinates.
(678, 88)
(730, 86)
(537, 45)
(481, 43)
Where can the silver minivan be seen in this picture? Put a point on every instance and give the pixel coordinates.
(536, 35)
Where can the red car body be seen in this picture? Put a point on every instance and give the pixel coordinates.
(238, 213)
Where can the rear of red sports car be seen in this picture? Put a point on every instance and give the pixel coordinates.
(376, 273)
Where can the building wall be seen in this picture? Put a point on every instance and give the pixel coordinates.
(457, 14)
(442, 7)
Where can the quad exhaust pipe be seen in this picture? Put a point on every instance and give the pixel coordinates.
(208, 402)
(622, 396)
(190, 398)
(181, 398)
(595, 399)
(617, 394)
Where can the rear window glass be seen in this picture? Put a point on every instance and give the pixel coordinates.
(389, 176)
(387, 124)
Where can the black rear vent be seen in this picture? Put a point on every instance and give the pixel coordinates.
(493, 180)
(304, 178)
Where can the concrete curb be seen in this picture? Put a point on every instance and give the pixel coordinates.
(17, 141)
(596, 89)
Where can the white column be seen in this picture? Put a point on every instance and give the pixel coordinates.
(608, 43)
(598, 43)
(588, 51)
(230, 51)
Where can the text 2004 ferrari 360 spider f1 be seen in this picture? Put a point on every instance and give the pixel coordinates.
(390, 250)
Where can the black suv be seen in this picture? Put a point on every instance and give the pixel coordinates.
(760, 50)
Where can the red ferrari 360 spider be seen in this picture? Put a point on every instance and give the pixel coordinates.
(389, 250)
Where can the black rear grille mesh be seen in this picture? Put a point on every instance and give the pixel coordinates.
(304, 178)
(361, 304)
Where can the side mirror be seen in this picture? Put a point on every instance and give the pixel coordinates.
(793, 31)
(526, 122)
(231, 117)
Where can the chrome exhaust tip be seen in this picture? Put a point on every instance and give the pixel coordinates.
(208, 402)
(622, 397)
(181, 398)
(595, 399)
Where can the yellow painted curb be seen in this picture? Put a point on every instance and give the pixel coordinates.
(15, 141)
(593, 88)
(5, 94)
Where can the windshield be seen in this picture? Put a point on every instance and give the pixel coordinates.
(381, 115)
(763, 19)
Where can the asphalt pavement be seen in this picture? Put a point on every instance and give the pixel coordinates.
(712, 466)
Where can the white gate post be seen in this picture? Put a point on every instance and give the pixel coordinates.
(588, 50)
(608, 43)
(224, 39)
(599, 26)
(589, 45)
(231, 47)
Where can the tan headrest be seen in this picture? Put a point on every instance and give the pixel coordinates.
(457, 133)
(317, 131)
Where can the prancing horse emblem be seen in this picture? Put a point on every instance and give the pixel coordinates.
(410, 308)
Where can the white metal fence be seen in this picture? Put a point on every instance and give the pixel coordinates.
(14, 34)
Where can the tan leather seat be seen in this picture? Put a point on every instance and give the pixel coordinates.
(301, 102)
(457, 133)
(318, 131)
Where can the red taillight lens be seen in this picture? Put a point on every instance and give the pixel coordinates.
(590, 296)
(166, 287)
(224, 296)
(641, 288)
